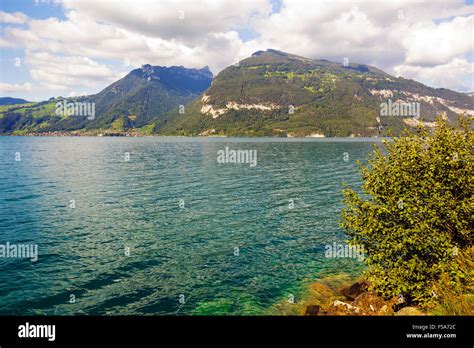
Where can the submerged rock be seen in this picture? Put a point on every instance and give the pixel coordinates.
(313, 310)
(356, 289)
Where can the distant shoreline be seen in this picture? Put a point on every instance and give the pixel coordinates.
(141, 135)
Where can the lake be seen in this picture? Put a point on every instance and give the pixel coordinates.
(156, 225)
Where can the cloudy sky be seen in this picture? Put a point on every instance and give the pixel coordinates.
(71, 47)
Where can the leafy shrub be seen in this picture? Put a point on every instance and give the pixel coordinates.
(415, 212)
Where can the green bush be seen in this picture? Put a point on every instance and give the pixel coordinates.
(416, 210)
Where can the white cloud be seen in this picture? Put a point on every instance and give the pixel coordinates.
(82, 34)
(9, 88)
(386, 35)
(431, 44)
(13, 18)
(186, 21)
(456, 74)
(397, 36)
(66, 72)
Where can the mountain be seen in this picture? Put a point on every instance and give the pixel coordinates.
(271, 93)
(145, 94)
(142, 96)
(280, 94)
(12, 101)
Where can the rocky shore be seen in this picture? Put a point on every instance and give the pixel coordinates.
(360, 301)
(341, 295)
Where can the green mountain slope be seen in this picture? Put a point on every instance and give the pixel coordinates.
(139, 98)
(280, 94)
(271, 93)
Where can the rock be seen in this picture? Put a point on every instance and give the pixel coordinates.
(372, 304)
(410, 311)
(397, 302)
(356, 289)
(320, 293)
(208, 132)
(313, 310)
(343, 308)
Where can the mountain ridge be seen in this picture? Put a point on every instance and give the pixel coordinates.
(12, 101)
(274, 93)
(131, 102)
(270, 93)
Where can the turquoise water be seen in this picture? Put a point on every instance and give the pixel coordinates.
(180, 260)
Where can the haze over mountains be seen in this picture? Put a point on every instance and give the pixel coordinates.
(271, 93)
